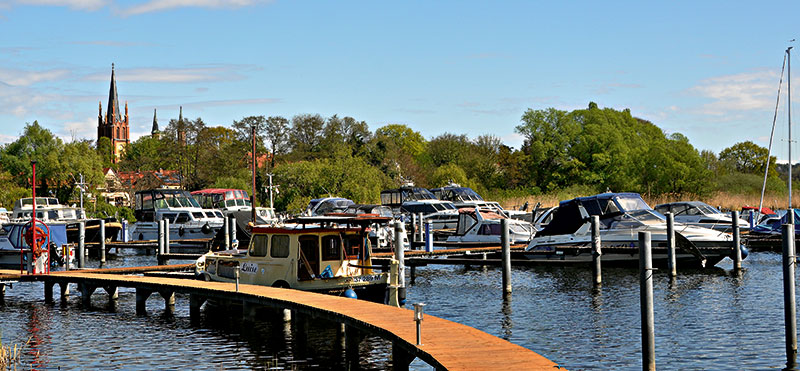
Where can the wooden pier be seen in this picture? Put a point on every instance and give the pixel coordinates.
(445, 345)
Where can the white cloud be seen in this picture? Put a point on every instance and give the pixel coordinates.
(78, 129)
(739, 92)
(26, 78)
(173, 75)
(161, 5)
(89, 5)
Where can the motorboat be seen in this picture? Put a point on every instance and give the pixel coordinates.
(59, 216)
(483, 226)
(771, 226)
(327, 254)
(465, 197)
(234, 202)
(443, 215)
(187, 220)
(16, 241)
(622, 216)
(395, 198)
(700, 214)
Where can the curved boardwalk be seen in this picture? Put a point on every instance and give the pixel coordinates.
(446, 344)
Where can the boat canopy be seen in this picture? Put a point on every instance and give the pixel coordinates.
(688, 208)
(572, 214)
(456, 194)
(396, 197)
(773, 226)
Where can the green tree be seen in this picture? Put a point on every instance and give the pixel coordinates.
(746, 157)
(548, 136)
(306, 135)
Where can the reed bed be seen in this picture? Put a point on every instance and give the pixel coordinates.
(10, 355)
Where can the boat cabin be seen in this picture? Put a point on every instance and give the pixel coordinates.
(147, 202)
(221, 198)
(572, 214)
(47, 209)
(456, 194)
(395, 198)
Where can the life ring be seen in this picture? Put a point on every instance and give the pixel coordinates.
(42, 238)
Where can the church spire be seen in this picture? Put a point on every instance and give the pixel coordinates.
(154, 131)
(113, 114)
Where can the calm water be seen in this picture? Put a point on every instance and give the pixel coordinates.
(708, 319)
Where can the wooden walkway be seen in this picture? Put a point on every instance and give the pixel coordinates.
(445, 344)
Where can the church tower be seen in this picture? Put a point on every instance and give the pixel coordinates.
(112, 125)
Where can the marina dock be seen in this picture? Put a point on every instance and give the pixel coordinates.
(444, 344)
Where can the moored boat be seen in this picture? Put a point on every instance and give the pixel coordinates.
(187, 219)
(327, 254)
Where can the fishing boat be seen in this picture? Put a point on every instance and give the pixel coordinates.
(700, 214)
(327, 254)
(622, 216)
(187, 219)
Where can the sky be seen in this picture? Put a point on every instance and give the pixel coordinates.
(707, 69)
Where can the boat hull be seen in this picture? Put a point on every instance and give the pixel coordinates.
(627, 255)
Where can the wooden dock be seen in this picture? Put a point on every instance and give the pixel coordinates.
(446, 345)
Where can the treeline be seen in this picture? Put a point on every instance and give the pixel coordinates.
(583, 151)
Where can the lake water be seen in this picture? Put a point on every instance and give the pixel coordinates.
(709, 319)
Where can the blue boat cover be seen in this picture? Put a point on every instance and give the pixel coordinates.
(772, 226)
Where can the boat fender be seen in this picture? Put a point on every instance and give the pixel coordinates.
(745, 252)
(206, 228)
(350, 293)
(180, 231)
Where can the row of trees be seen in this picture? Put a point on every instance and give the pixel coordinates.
(591, 150)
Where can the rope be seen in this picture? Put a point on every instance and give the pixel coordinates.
(771, 135)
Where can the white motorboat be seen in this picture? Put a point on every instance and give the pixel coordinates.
(187, 220)
(622, 216)
(483, 226)
(465, 197)
(700, 214)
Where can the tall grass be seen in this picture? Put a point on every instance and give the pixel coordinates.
(10, 355)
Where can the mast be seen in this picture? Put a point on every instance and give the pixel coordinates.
(789, 110)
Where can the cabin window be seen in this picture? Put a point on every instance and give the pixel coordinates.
(258, 246)
(169, 217)
(198, 215)
(490, 230)
(280, 246)
(182, 218)
(147, 201)
(331, 248)
(352, 244)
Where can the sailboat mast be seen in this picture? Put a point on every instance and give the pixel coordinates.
(789, 110)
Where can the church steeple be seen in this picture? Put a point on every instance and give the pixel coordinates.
(113, 114)
(154, 131)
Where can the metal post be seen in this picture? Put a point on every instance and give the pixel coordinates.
(399, 254)
(166, 236)
(671, 245)
(232, 226)
(227, 233)
(789, 296)
(429, 236)
(102, 242)
(420, 230)
(237, 278)
(596, 251)
(737, 249)
(161, 237)
(414, 233)
(81, 245)
(646, 301)
(506, 244)
(752, 219)
(789, 114)
(124, 231)
(253, 195)
(418, 320)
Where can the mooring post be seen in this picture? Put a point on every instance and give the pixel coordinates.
(232, 226)
(429, 236)
(226, 233)
(646, 302)
(102, 242)
(596, 251)
(399, 254)
(789, 296)
(81, 244)
(124, 232)
(414, 227)
(421, 229)
(506, 246)
(166, 236)
(737, 249)
(752, 219)
(671, 245)
(161, 237)
(48, 291)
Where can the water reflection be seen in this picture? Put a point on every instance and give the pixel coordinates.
(506, 323)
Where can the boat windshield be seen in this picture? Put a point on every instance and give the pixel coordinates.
(178, 199)
(633, 219)
(707, 209)
(417, 194)
(627, 203)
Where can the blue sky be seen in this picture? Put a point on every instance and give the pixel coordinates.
(708, 69)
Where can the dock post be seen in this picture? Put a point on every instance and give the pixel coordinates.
(124, 232)
(141, 300)
(166, 236)
(226, 233)
(596, 251)
(752, 219)
(169, 300)
(81, 244)
(506, 245)
(671, 245)
(418, 319)
(737, 249)
(413, 274)
(421, 230)
(646, 301)
(232, 226)
(48, 292)
(86, 294)
(429, 236)
(102, 242)
(414, 227)
(399, 254)
(195, 302)
(789, 296)
(64, 286)
(113, 293)
(161, 237)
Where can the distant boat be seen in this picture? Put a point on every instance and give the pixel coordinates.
(700, 214)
